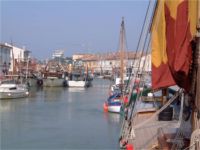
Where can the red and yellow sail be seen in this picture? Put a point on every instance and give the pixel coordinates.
(174, 27)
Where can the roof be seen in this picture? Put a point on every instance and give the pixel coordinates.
(4, 45)
(110, 56)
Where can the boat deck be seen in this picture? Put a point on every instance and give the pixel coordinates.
(147, 136)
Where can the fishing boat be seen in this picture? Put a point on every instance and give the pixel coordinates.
(52, 81)
(113, 103)
(27, 71)
(9, 89)
(116, 95)
(169, 120)
(79, 76)
(53, 75)
(78, 80)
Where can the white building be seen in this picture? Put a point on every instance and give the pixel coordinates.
(144, 63)
(5, 59)
(58, 54)
(17, 54)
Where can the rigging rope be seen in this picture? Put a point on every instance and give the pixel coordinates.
(138, 44)
(137, 49)
(126, 124)
(146, 43)
(139, 94)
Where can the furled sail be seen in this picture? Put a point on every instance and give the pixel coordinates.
(174, 27)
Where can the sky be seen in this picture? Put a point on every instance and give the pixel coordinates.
(76, 26)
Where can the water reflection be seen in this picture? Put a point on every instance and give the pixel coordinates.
(112, 117)
(9, 105)
(76, 89)
(5, 105)
(53, 93)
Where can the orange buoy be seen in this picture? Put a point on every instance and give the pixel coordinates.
(105, 107)
(129, 147)
(125, 99)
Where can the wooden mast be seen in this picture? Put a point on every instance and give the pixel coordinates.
(122, 50)
(196, 111)
(195, 89)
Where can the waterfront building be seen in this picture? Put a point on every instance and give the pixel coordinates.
(17, 54)
(5, 59)
(142, 64)
(108, 62)
(79, 56)
(58, 54)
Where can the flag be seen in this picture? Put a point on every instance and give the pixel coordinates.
(174, 27)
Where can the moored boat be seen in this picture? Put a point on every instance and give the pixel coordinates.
(54, 82)
(11, 90)
(113, 103)
(72, 83)
(53, 75)
(78, 80)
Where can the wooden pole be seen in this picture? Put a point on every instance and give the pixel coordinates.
(164, 96)
(197, 100)
(122, 53)
(196, 78)
(122, 45)
(197, 96)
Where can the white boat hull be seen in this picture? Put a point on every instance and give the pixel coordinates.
(100, 77)
(12, 91)
(114, 109)
(77, 83)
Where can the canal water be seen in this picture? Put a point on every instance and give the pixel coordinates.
(60, 118)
